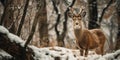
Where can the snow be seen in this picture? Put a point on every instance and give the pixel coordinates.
(12, 37)
(53, 53)
(3, 30)
(111, 56)
(4, 55)
(15, 38)
(50, 53)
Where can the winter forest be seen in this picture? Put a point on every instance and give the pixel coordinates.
(59, 30)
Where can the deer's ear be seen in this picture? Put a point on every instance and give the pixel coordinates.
(70, 14)
(83, 14)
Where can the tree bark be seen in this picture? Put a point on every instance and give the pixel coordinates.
(60, 37)
(8, 15)
(103, 12)
(23, 18)
(118, 15)
(43, 26)
(93, 14)
(32, 30)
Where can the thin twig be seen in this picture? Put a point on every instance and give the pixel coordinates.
(32, 30)
(55, 7)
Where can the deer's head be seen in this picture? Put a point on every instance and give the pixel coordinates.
(77, 17)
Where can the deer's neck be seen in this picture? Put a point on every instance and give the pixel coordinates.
(78, 33)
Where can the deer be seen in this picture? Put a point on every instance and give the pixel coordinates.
(86, 39)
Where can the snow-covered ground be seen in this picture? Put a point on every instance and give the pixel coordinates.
(60, 53)
(4, 55)
(57, 53)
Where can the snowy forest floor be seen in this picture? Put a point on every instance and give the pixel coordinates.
(57, 53)
(60, 53)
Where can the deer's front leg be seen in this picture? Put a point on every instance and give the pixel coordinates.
(81, 52)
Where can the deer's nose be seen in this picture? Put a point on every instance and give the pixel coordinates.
(76, 23)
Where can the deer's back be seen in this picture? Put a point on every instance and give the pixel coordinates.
(89, 40)
(99, 34)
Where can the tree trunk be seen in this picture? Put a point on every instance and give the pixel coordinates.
(93, 14)
(7, 18)
(11, 14)
(118, 14)
(43, 26)
(23, 18)
(60, 37)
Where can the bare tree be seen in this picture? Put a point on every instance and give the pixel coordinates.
(23, 18)
(93, 14)
(3, 2)
(11, 14)
(33, 29)
(60, 37)
(43, 26)
(7, 18)
(118, 15)
(103, 12)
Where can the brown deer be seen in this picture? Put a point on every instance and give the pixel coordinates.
(86, 39)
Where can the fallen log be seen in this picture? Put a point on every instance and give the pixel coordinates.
(13, 45)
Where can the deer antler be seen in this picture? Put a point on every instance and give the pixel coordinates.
(72, 10)
(82, 9)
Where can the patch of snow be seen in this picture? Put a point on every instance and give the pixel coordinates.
(3, 30)
(52, 53)
(4, 55)
(111, 56)
(12, 37)
(16, 39)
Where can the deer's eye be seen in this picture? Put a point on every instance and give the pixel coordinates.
(74, 17)
(79, 18)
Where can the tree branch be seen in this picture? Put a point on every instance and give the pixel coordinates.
(65, 22)
(103, 12)
(73, 2)
(23, 18)
(32, 30)
(55, 7)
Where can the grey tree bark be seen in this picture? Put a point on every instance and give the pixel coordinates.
(8, 18)
(118, 15)
(43, 26)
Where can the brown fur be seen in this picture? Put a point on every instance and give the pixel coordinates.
(86, 39)
(89, 39)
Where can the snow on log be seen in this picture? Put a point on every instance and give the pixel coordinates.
(14, 46)
(4, 55)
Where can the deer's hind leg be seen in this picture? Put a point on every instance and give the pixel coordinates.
(86, 52)
(102, 49)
